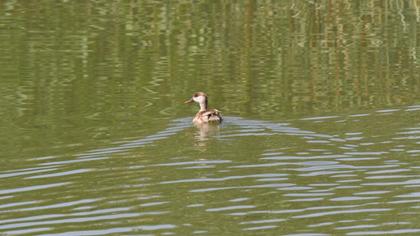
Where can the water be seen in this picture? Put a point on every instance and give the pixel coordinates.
(321, 102)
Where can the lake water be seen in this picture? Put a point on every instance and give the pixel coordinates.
(321, 101)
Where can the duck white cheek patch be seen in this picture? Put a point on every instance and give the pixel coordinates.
(199, 99)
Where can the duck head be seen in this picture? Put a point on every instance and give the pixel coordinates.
(200, 98)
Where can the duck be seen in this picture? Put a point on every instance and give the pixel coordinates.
(204, 115)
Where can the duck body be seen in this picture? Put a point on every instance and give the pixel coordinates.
(209, 116)
(205, 115)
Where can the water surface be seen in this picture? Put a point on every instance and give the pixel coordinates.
(322, 118)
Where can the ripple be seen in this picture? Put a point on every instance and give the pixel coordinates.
(72, 161)
(392, 232)
(387, 110)
(264, 227)
(229, 208)
(58, 205)
(115, 230)
(308, 234)
(352, 198)
(70, 219)
(32, 188)
(9, 205)
(356, 211)
(219, 179)
(28, 171)
(201, 162)
(320, 118)
(356, 227)
(27, 231)
(58, 174)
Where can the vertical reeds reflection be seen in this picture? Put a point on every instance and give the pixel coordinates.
(99, 63)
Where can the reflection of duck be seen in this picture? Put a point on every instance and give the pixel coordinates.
(205, 131)
(204, 115)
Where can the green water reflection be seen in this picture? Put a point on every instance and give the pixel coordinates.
(81, 75)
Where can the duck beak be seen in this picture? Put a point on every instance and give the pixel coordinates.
(189, 101)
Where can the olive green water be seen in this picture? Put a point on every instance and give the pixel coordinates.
(321, 101)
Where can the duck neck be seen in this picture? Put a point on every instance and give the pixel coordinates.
(203, 105)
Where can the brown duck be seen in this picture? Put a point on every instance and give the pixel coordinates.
(204, 115)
